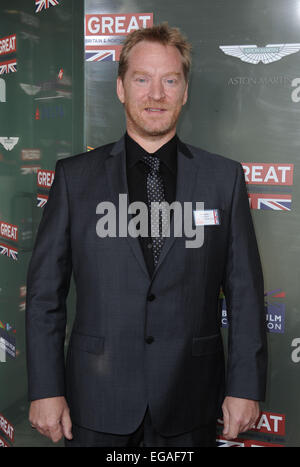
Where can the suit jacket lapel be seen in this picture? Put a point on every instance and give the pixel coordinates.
(185, 184)
(187, 172)
(115, 166)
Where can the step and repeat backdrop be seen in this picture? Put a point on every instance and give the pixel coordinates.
(58, 68)
(244, 103)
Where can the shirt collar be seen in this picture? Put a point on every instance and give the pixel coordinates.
(166, 153)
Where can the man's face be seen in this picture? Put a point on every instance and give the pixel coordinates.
(153, 90)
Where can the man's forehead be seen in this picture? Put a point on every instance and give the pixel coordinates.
(150, 54)
(148, 48)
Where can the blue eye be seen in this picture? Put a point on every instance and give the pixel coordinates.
(170, 81)
(141, 80)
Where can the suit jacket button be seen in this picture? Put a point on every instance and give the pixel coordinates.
(149, 339)
(151, 297)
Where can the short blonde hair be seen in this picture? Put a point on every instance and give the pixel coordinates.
(163, 34)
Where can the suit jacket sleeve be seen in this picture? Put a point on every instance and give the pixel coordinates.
(48, 282)
(244, 293)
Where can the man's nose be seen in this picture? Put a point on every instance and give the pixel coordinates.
(156, 90)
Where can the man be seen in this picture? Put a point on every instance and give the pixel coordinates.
(145, 362)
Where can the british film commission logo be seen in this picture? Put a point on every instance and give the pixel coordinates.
(138, 225)
(253, 54)
(274, 311)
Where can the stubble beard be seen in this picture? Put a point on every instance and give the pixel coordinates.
(140, 126)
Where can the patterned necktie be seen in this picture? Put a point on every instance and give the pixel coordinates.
(155, 192)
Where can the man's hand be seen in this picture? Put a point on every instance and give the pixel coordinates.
(51, 418)
(239, 415)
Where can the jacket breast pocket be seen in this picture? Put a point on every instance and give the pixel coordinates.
(91, 344)
(207, 345)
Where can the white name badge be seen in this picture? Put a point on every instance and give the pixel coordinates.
(207, 217)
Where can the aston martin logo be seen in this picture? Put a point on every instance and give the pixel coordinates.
(253, 54)
(9, 142)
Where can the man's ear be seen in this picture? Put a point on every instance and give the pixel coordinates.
(186, 93)
(120, 90)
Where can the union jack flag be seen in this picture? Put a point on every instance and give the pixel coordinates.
(224, 443)
(275, 294)
(8, 67)
(41, 200)
(245, 443)
(3, 68)
(44, 4)
(11, 66)
(6, 250)
(101, 53)
(268, 201)
(29, 169)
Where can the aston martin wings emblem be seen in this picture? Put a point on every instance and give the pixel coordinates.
(9, 142)
(253, 54)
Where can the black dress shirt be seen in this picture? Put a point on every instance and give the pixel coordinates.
(137, 181)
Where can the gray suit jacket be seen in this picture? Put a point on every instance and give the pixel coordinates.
(136, 339)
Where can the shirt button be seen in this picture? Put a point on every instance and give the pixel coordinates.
(151, 297)
(149, 245)
(149, 339)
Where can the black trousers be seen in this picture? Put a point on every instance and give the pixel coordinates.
(144, 436)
